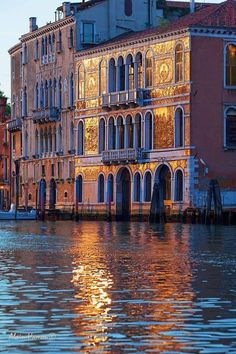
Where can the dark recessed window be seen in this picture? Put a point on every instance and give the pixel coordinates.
(88, 33)
(128, 7)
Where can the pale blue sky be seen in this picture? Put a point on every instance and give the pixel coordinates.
(14, 21)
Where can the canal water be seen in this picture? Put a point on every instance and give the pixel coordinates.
(96, 287)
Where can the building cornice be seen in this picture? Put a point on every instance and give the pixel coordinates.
(15, 48)
(47, 28)
(127, 43)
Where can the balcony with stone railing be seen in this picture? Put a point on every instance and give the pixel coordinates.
(14, 125)
(123, 99)
(123, 156)
(46, 115)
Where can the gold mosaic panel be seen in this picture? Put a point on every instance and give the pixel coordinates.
(164, 128)
(91, 136)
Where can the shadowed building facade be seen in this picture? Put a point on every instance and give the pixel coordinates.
(158, 106)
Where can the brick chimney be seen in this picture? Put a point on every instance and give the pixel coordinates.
(3, 104)
(33, 24)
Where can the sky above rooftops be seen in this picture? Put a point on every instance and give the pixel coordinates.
(14, 21)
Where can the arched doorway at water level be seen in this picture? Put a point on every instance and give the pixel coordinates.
(53, 194)
(123, 194)
(42, 194)
(163, 175)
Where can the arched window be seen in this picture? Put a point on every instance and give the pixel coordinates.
(59, 93)
(148, 69)
(179, 63)
(147, 186)
(50, 90)
(230, 128)
(46, 45)
(121, 74)
(130, 63)
(46, 139)
(231, 65)
(120, 132)
(54, 92)
(179, 128)
(179, 186)
(128, 8)
(111, 134)
(41, 141)
(46, 93)
(137, 187)
(129, 138)
(71, 136)
(137, 131)
(102, 77)
(112, 75)
(81, 81)
(101, 138)
(79, 189)
(26, 144)
(36, 142)
(42, 47)
(36, 99)
(139, 73)
(55, 139)
(80, 148)
(165, 180)
(71, 91)
(50, 139)
(148, 131)
(59, 139)
(25, 102)
(110, 188)
(101, 189)
(41, 95)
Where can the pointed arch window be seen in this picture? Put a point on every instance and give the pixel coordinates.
(179, 186)
(137, 187)
(80, 148)
(36, 142)
(60, 93)
(101, 189)
(148, 131)
(71, 91)
(111, 134)
(102, 77)
(179, 128)
(147, 186)
(79, 189)
(101, 138)
(110, 188)
(71, 136)
(148, 69)
(231, 65)
(120, 129)
(129, 132)
(112, 75)
(179, 63)
(81, 81)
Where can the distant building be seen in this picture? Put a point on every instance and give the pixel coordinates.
(4, 156)
(158, 106)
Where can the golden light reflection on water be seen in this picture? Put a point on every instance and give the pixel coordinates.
(132, 284)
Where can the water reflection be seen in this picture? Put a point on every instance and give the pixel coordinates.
(114, 287)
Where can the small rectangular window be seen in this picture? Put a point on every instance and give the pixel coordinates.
(52, 170)
(43, 171)
(88, 33)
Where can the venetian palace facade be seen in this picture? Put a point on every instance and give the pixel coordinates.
(152, 105)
